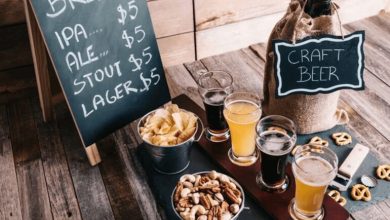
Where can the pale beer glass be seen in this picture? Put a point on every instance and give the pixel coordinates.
(242, 111)
(314, 167)
(214, 86)
(276, 136)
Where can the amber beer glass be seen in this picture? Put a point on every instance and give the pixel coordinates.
(214, 86)
(242, 111)
(314, 167)
(276, 136)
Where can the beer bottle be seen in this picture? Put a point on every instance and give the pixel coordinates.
(315, 112)
(316, 8)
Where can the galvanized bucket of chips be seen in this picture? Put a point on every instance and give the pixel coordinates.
(169, 158)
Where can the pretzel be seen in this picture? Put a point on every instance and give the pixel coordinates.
(342, 138)
(383, 172)
(320, 141)
(361, 192)
(277, 129)
(335, 195)
(294, 150)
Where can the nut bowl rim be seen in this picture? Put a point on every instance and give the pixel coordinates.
(203, 172)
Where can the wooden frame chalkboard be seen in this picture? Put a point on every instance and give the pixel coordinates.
(106, 59)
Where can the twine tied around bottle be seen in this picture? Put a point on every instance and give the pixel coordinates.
(338, 18)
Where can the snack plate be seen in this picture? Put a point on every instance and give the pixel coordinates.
(208, 156)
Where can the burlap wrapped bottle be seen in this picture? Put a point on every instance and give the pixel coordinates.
(311, 113)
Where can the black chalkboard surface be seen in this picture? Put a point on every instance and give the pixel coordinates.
(321, 64)
(106, 58)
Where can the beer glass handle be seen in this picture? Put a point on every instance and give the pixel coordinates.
(197, 139)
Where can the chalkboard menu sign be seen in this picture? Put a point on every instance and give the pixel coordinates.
(320, 64)
(107, 60)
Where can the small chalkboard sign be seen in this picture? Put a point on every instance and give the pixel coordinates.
(320, 64)
(107, 61)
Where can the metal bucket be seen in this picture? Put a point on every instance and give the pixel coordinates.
(171, 159)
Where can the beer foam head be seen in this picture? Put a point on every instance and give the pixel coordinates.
(274, 143)
(215, 97)
(242, 112)
(314, 171)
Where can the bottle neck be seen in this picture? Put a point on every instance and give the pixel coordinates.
(316, 8)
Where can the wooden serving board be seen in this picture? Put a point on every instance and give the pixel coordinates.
(276, 205)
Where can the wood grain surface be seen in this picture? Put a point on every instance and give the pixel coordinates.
(377, 45)
(209, 14)
(177, 49)
(17, 79)
(88, 183)
(233, 36)
(62, 196)
(14, 46)
(236, 24)
(48, 175)
(12, 12)
(33, 195)
(171, 17)
(9, 203)
(119, 190)
(41, 60)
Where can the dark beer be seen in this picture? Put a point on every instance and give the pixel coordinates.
(214, 86)
(213, 103)
(274, 149)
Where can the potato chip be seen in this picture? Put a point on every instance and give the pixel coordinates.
(142, 130)
(165, 143)
(172, 108)
(162, 113)
(147, 136)
(165, 128)
(177, 118)
(187, 133)
(184, 119)
(169, 120)
(168, 126)
(174, 142)
(174, 131)
(154, 121)
(157, 139)
(192, 121)
(147, 119)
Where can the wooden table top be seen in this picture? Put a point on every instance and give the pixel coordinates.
(49, 177)
(369, 110)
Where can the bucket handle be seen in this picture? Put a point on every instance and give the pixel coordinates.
(197, 139)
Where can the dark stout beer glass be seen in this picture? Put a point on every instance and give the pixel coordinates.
(214, 86)
(276, 136)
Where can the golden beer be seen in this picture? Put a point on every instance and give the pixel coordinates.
(242, 116)
(310, 187)
(314, 168)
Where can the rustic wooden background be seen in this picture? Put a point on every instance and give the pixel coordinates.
(186, 29)
(48, 175)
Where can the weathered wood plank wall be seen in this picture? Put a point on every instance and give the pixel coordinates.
(173, 22)
(224, 25)
(186, 29)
